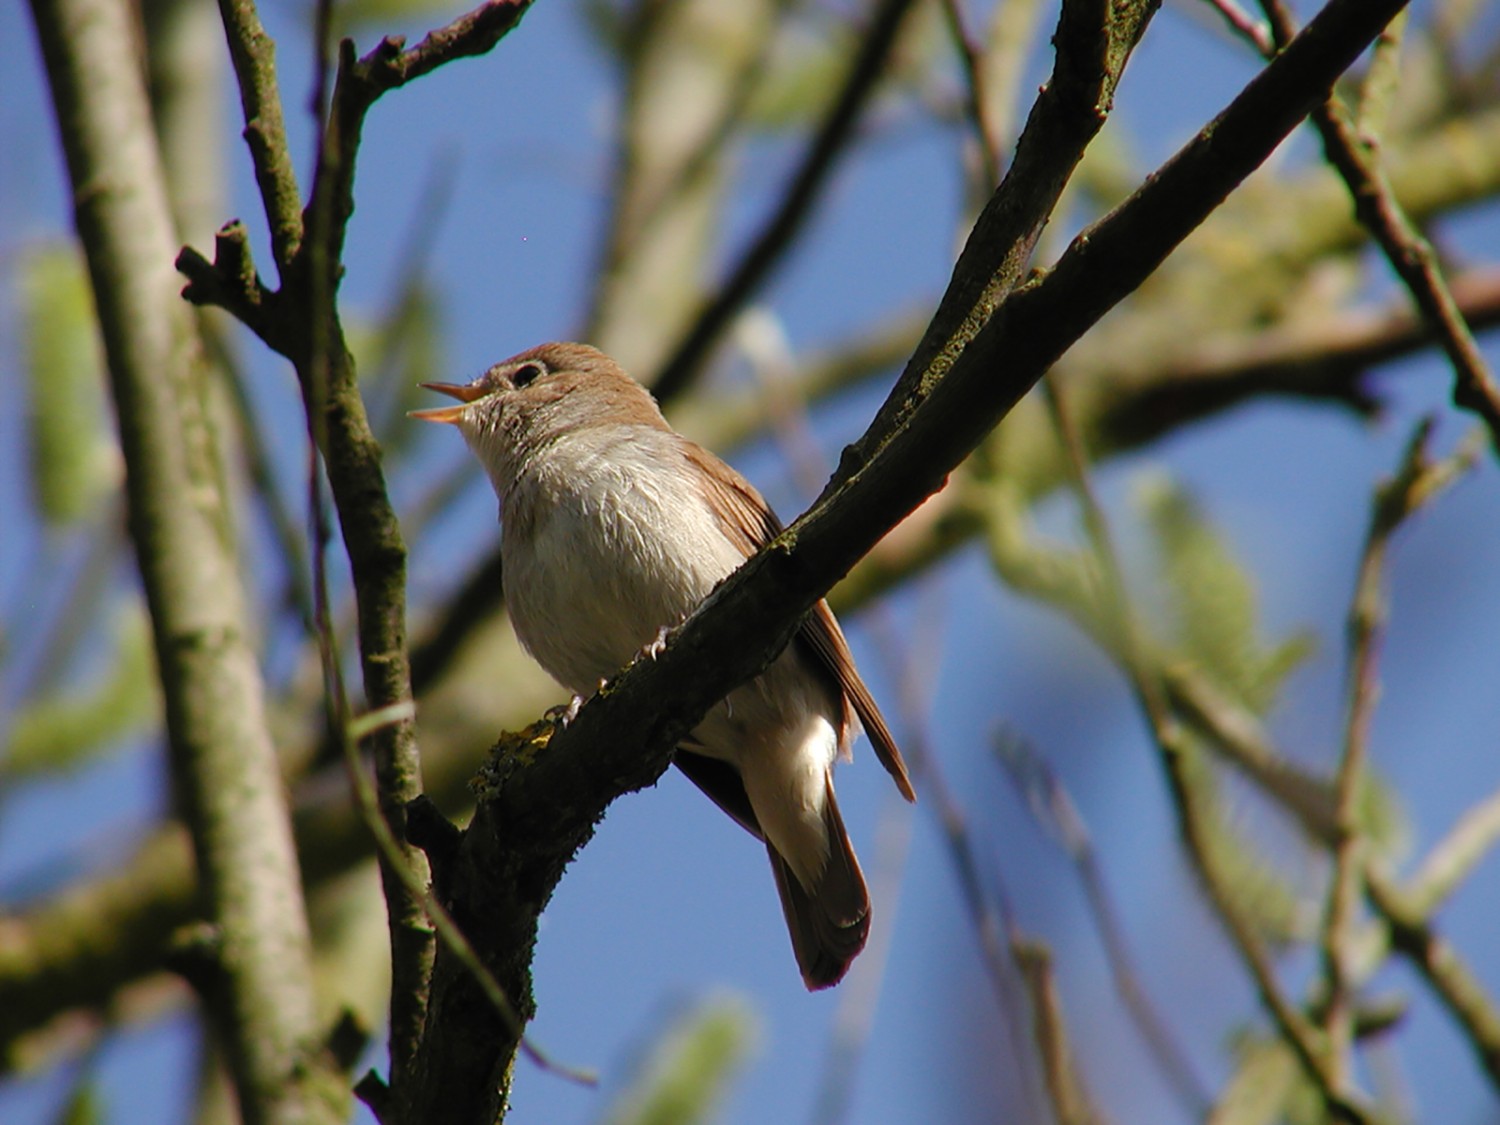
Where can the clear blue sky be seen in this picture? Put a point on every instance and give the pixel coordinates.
(670, 902)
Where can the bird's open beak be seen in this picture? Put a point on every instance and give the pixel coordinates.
(464, 392)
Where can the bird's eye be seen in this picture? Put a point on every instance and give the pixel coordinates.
(527, 374)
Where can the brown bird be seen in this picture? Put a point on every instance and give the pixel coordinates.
(613, 527)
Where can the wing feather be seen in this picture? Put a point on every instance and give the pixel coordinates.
(749, 521)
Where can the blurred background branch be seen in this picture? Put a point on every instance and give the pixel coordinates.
(726, 156)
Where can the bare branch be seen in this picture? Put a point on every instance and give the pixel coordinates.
(1462, 992)
(1175, 754)
(254, 57)
(1394, 501)
(1410, 255)
(780, 230)
(1050, 803)
(258, 985)
(301, 322)
(543, 807)
(1065, 1087)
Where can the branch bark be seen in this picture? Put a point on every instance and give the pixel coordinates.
(174, 888)
(300, 321)
(257, 978)
(50, 965)
(983, 352)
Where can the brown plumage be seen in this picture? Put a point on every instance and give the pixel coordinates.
(613, 526)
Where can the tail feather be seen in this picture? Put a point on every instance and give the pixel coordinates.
(830, 920)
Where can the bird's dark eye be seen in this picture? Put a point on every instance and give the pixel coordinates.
(527, 374)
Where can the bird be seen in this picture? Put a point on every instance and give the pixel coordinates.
(613, 528)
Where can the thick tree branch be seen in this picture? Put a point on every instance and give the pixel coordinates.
(81, 948)
(1296, 361)
(545, 802)
(259, 987)
(300, 321)
(1093, 40)
(151, 898)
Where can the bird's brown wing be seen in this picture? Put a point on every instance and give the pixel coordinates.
(747, 518)
(750, 522)
(821, 636)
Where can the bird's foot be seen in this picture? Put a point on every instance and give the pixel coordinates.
(657, 644)
(564, 713)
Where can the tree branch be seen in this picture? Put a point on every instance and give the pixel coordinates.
(795, 209)
(1324, 362)
(300, 321)
(260, 988)
(254, 56)
(544, 803)
(1410, 255)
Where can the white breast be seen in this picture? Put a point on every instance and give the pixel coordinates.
(605, 540)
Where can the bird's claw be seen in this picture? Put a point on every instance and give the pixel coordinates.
(564, 713)
(657, 644)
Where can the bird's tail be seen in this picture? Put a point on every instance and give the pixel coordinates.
(829, 920)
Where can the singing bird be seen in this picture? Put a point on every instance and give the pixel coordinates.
(613, 527)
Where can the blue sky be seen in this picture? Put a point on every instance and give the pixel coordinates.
(671, 903)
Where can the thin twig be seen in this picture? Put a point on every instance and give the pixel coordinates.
(351, 731)
(1454, 983)
(1405, 912)
(1168, 734)
(253, 54)
(1365, 631)
(1065, 1088)
(301, 321)
(372, 536)
(976, 102)
(1453, 858)
(1416, 482)
(448, 930)
(59, 631)
(284, 526)
(1245, 743)
(779, 232)
(1256, 32)
(990, 912)
(339, 429)
(1044, 794)
(1353, 155)
(389, 66)
(762, 339)
(361, 81)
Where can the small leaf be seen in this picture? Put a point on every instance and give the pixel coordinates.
(689, 1067)
(1212, 603)
(74, 459)
(85, 1105)
(1260, 893)
(66, 731)
(1262, 1083)
(1383, 819)
(354, 17)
